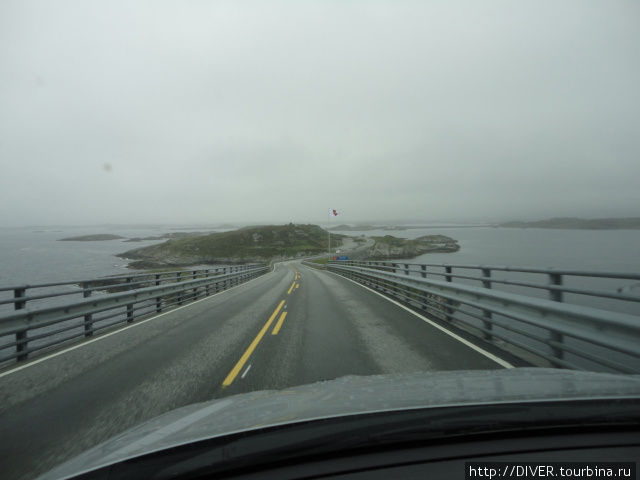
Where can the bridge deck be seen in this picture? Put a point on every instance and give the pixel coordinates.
(54, 408)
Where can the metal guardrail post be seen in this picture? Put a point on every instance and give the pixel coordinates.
(448, 277)
(21, 336)
(448, 311)
(206, 289)
(556, 296)
(488, 324)
(158, 299)
(406, 269)
(424, 298)
(88, 324)
(195, 290)
(130, 305)
(178, 279)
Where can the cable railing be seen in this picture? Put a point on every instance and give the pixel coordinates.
(40, 316)
(549, 317)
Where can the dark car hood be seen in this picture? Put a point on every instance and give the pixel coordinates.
(347, 396)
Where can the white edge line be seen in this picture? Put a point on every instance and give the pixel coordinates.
(101, 337)
(246, 371)
(478, 349)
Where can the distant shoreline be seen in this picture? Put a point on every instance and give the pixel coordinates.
(100, 237)
(571, 223)
(366, 228)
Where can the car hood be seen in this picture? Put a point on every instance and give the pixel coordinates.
(347, 396)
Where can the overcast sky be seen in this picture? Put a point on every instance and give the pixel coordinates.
(204, 111)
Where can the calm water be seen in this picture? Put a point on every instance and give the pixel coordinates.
(32, 255)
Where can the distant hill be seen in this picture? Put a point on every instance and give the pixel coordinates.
(249, 244)
(580, 223)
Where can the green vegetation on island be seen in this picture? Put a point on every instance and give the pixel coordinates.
(580, 223)
(249, 244)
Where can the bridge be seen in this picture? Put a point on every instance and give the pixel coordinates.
(84, 360)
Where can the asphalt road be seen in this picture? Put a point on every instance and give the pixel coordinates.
(293, 326)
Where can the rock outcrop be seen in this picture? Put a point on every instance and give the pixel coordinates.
(389, 247)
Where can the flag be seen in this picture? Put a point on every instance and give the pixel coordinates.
(333, 213)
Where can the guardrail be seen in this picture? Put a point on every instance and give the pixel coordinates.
(44, 316)
(598, 328)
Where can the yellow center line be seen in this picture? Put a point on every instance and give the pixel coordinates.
(291, 287)
(297, 285)
(276, 329)
(245, 356)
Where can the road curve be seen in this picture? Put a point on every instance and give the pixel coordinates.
(292, 326)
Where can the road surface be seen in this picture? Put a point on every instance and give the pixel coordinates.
(292, 326)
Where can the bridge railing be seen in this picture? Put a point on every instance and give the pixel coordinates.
(590, 324)
(37, 317)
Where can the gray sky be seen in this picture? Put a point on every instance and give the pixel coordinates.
(207, 111)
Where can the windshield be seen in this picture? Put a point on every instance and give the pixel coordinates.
(204, 199)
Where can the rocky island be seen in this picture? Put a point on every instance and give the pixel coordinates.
(390, 247)
(249, 244)
(107, 236)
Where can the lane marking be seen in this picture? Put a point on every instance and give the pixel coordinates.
(291, 287)
(478, 349)
(297, 285)
(246, 371)
(276, 329)
(119, 330)
(245, 356)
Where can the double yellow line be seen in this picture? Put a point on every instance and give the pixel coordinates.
(276, 329)
(245, 356)
(295, 283)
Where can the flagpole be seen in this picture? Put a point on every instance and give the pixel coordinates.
(329, 233)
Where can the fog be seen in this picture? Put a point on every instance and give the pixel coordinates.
(208, 112)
